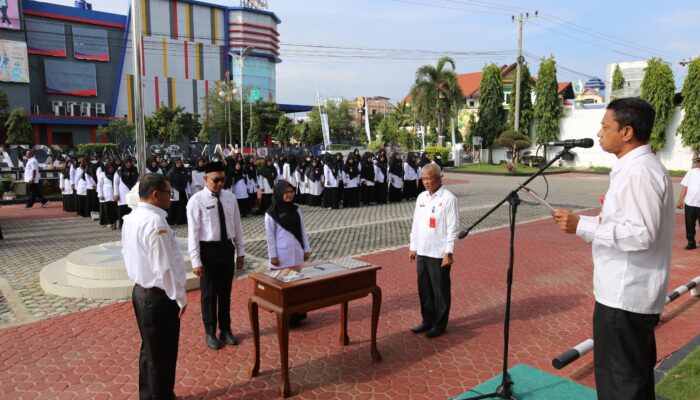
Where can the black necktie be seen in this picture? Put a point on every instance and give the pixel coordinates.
(222, 219)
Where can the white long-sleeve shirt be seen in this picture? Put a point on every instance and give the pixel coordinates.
(203, 222)
(435, 239)
(329, 178)
(409, 174)
(198, 182)
(105, 188)
(632, 237)
(65, 184)
(284, 245)
(151, 253)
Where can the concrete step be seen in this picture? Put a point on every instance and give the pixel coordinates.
(97, 272)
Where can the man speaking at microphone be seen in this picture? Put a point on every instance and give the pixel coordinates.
(631, 241)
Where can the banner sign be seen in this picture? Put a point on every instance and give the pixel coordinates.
(14, 65)
(9, 14)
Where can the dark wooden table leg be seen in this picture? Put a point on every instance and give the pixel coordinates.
(376, 306)
(344, 338)
(283, 337)
(255, 327)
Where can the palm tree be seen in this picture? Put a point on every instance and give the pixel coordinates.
(435, 92)
(402, 114)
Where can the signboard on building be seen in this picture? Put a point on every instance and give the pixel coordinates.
(465, 121)
(254, 95)
(360, 101)
(14, 66)
(9, 14)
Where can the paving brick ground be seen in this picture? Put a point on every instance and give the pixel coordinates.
(93, 353)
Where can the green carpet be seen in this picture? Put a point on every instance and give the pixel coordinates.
(532, 384)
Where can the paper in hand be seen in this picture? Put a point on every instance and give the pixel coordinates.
(537, 197)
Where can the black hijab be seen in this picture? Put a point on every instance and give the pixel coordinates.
(424, 160)
(179, 178)
(411, 161)
(129, 176)
(238, 174)
(395, 166)
(66, 169)
(367, 171)
(351, 168)
(437, 160)
(285, 213)
(269, 172)
(314, 172)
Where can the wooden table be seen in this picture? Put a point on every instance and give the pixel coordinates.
(306, 295)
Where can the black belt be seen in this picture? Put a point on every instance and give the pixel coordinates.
(151, 289)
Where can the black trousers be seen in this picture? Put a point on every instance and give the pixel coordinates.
(159, 325)
(692, 217)
(434, 291)
(331, 197)
(34, 192)
(624, 353)
(218, 259)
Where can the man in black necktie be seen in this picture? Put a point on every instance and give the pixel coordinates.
(214, 225)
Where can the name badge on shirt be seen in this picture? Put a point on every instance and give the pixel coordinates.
(432, 222)
(210, 207)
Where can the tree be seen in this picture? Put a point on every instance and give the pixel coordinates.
(255, 133)
(189, 125)
(339, 121)
(284, 129)
(4, 105)
(515, 141)
(387, 130)
(658, 89)
(119, 130)
(205, 132)
(19, 130)
(269, 116)
(689, 128)
(165, 124)
(435, 92)
(618, 81)
(490, 113)
(302, 133)
(526, 111)
(547, 107)
(403, 115)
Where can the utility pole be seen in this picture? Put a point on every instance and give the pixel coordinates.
(521, 18)
(139, 122)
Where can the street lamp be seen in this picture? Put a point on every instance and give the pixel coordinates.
(227, 95)
(241, 59)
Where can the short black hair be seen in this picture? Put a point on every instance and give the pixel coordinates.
(636, 113)
(149, 183)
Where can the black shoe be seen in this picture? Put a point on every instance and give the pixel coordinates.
(435, 332)
(421, 328)
(228, 338)
(213, 342)
(690, 246)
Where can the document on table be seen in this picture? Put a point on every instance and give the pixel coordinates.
(537, 198)
(349, 262)
(286, 275)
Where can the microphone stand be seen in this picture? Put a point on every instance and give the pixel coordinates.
(505, 390)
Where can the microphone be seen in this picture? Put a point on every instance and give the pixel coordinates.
(586, 143)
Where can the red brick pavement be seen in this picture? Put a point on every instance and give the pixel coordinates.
(16, 212)
(93, 354)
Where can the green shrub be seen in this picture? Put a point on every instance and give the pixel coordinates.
(444, 152)
(87, 149)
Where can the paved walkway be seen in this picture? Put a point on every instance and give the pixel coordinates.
(93, 354)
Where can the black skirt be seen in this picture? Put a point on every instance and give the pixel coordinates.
(265, 203)
(81, 205)
(351, 197)
(244, 206)
(69, 203)
(367, 194)
(123, 210)
(394, 194)
(177, 213)
(330, 197)
(410, 189)
(380, 192)
(108, 212)
(93, 203)
(313, 201)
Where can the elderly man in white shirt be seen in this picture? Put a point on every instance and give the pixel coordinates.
(631, 240)
(690, 200)
(31, 177)
(154, 262)
(433, 233)
(213, 226)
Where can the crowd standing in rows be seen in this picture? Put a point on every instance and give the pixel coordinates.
(93, 185)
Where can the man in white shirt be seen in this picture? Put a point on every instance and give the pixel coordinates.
(154, 262)
(31, 177)
(631, 240)
(434, 231)
(213, 226)
(690, 198)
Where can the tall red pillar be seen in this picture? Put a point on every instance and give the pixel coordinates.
(49, 135)
(37, 134)
(104, 138)
(93, 135)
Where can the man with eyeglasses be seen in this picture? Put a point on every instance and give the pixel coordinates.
(214, 226)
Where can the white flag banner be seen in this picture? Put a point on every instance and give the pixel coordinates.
(326, 130)
(369, 137)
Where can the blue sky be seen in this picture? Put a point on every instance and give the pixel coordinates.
(584, 36)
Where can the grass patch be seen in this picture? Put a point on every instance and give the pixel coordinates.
(683, 381)
(501, 168)
(677, 172)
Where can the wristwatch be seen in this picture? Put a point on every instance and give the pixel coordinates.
(448, 254)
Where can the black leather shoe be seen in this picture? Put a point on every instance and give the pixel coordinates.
(213, 342)
(421, 328)
(435, 332)
(228, 338)
(690, 246)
